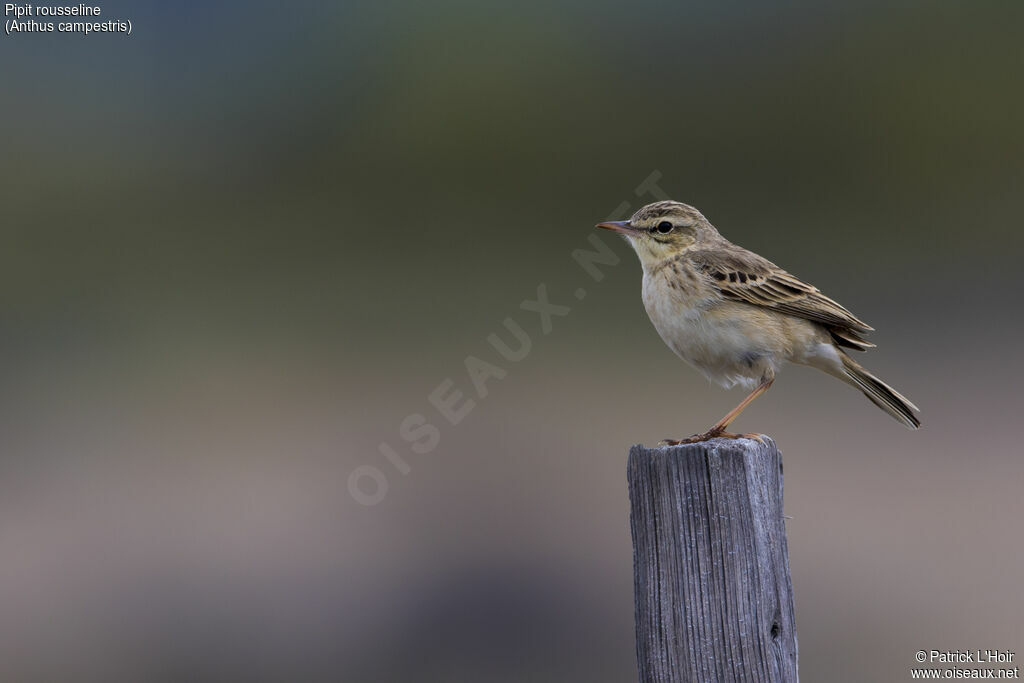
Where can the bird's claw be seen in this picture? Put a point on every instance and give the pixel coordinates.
(708, 435)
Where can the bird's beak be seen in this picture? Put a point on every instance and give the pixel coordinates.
(618, 226)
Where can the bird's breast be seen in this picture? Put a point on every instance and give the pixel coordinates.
(721, 339)
(677, 302)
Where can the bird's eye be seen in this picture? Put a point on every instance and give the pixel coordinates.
(664, 227)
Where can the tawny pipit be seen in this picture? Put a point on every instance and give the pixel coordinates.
(736, 316)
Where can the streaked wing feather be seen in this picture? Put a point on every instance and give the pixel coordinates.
(741, 275)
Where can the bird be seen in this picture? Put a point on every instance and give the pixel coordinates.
(737, 317)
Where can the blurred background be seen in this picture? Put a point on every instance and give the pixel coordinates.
(244, 244)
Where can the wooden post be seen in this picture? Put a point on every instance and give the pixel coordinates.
(714, 600)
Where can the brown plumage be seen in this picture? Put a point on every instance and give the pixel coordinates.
(742, 275)
(737, 316)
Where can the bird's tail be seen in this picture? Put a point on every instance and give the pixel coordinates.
(880, 393)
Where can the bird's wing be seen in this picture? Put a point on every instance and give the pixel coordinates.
(741, 275)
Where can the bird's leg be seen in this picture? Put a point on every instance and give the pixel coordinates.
(718, 430)
(724, 423)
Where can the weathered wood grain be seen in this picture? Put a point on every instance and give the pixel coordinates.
(714, 600)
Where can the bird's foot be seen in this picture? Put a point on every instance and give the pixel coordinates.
(712, 433)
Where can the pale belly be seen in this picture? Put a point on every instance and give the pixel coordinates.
(730, 343)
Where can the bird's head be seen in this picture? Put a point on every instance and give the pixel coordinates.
(661, 230)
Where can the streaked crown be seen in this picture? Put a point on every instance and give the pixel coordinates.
(678, 213)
